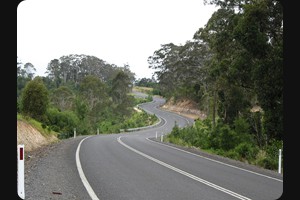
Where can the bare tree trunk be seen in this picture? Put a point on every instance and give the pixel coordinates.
(65, 77)
(214, 109)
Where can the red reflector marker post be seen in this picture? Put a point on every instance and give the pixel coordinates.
(21, 189)
(21, 153)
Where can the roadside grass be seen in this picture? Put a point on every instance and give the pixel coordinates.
(146, 90)
(37, 125)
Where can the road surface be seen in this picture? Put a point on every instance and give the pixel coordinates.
(132, 166)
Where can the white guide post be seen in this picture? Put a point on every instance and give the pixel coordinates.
(279, 162)
(21, 188)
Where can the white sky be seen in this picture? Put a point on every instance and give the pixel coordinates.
(116, 31)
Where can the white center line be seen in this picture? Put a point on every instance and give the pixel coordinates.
(184, 173)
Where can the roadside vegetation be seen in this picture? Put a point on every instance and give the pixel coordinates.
(37, 125)
(233, 142)
(137, 119)
(233, 69)
(148, 86)
(85, 100)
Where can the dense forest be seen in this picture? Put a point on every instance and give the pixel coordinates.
(233, 68)
(82, 92)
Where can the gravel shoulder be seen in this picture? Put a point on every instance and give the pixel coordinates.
(51, 172)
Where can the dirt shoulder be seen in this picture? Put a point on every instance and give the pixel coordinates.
(185, 108)
(31, 137)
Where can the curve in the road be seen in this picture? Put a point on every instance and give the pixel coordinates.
(112, 157)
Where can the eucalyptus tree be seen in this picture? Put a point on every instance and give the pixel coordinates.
(250, 49)
(19, 67)
(92, 99)
(74, 67)
(260, 32)
(121, 86)
(180, 69)
(128, 72)
(147, 82)
(225, 50)
(191, 69)
(62, 98)
(25, 73)
(29, 70)
(54, 72)
(93, 91)
(164, 61)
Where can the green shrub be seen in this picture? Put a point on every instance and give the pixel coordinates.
(149, 98)
(246, 151)
(175, 140)
(272, 154)
(59, 121)
(175, 131)
(233, 155)
(235, 142)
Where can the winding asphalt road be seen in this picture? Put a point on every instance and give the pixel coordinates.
(130, 166)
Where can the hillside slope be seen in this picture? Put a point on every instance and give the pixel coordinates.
(31, 137)
(184, 107)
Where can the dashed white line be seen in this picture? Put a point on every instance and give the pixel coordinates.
(185, 173)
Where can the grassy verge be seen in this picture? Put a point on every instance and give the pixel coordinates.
(146, 90)
(37, 125)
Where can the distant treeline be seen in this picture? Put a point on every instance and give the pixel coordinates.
(80, 91)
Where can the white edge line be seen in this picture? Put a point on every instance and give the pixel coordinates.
(164, 123)
(185, 173)
(82, 176)
(216, 161)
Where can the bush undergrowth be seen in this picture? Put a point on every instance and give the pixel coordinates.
(233, 142)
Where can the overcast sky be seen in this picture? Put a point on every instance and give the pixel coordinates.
(116, 31)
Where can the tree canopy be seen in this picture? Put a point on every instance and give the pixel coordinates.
(232, 64)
